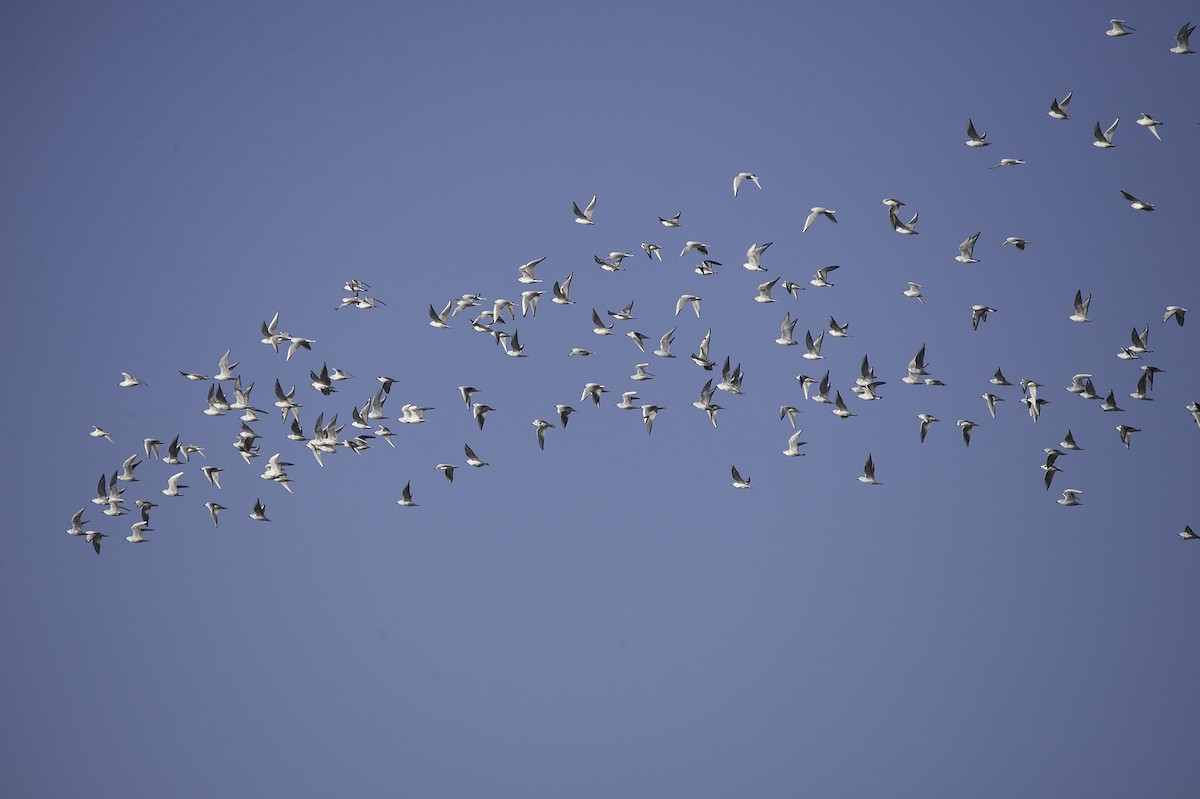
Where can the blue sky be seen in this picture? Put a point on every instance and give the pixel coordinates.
(609, 616)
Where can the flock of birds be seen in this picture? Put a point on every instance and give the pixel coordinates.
(325, 437)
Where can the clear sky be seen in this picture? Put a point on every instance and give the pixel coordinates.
(609, 616)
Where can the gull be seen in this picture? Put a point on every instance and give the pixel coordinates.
(840, 410)
(999, 379)
(1135, 203)
(926, 420)
(77, 523)
(467, 392)
(541, 425)
(966, 250)
(625, 314)
(821, 279)
(706, 267)
(598, 326)
(907, 229)
(966, 425)
(193, 376)
(213, 510)
(271, 335)
(609, 264)
(479, 411)
(1019, 243)
(579, 351)
(285, 402)
(867, 392)
(794, 443)
(1070, 497)
(499, 307)
(593, 390)
(1140, 342)
(385, 434)
(916, 369)
(868, 475)
(259, 514)
(914, 291)
(1104, 139)
(806, 383)
(446, 469)
(512, 345)
(670, 221)
(836, 330)
(137, 529)
(412, 414)
(705, 402)
(438, 320)
(130, 381)
(1058, 108)
(742, 177)
(472, 458)
(991, 400)
(322, 382)
(652, 250)
(224, 368)
(764, 291)
(1110, 404)
(1126, 431)
(1174, 311)
(406, 500)
(754, 257)
(126, 475)
(973, 138)
(699, 247)
(173, 486)
(1181, 39)
(1089, 390)
(638, 338)
(793, 288)
(788, 412)
(151, 445)
(786, 330)
(466, 301)
(1049, 468)
(526, 271)
(1151, 371)
(1081, 308)
(684, 300)
(564, 412)
(355, 285)
(1068, 442)
(584, 217)
(731, 381)
(738, 480)
(979, 313)
(94, 538)
(816, 212)
(812, 346)
(1007, 162)
(701, 359)
(1151, 124)
(100, 433)
(823, 387)
(1140, 393)
(1194, 407)
(1034, 404)
(640, 372)
(298, 343)
(649, 413)
(1187, 534)
(529, 301)
(1119, 28)
(1078, 383)
(664, 344)
(562, 291)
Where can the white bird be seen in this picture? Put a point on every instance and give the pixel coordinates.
(1174, 311)
(1181, 39)
(1068, 442)
(94, 538)
(822, 394)
(526, 271)
(991, 400)
(999, 379)
(813, 346)
(868, 475)
(1058, 108)
(816, 212)
(664, 345)
(1151, 124)
(821, 279)
(579, 351)
(298, 343)
(838, 331)
(649, 414)
(446, 469)
(130, 381)
(564, 412)
(764, 291)
(625, 314)
(529, 301)
(706, 267)
(259, 514)
(698, 246)
(1194, 407)
(638, 339)
(1119, 28)
(593, 390)
(1126, 431)
(1070, 497)
(975, 139)
(562, 291)
(793, 288)
(1140, 393)
(926, 420)
(741, 177)
(979, 313)
(1135, 203)
(542, 425)
(738, 480)
(100, 433)
(684, 300)
(173, 486)
(213, 509)
(1110, 404)
(967, 425)
(914, 291)
(1017, 242)
(840, 410)
(137, 529)
(1081, 308)
(406, 500)
(1104, 139)
(672, 221)
(479, 412)
(598, 326)
(584, 217)
(1007, 162)
(788, 412)
(786, 331)
(1187, 533)
(794, 443)
(966, 250)
(195, 378)
(905, 228)
(652, 250)
(754, 257)
(271, 335)
(701, 358)
(77, 523)
(1034, 404)
(472, 458)
(225, 368)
